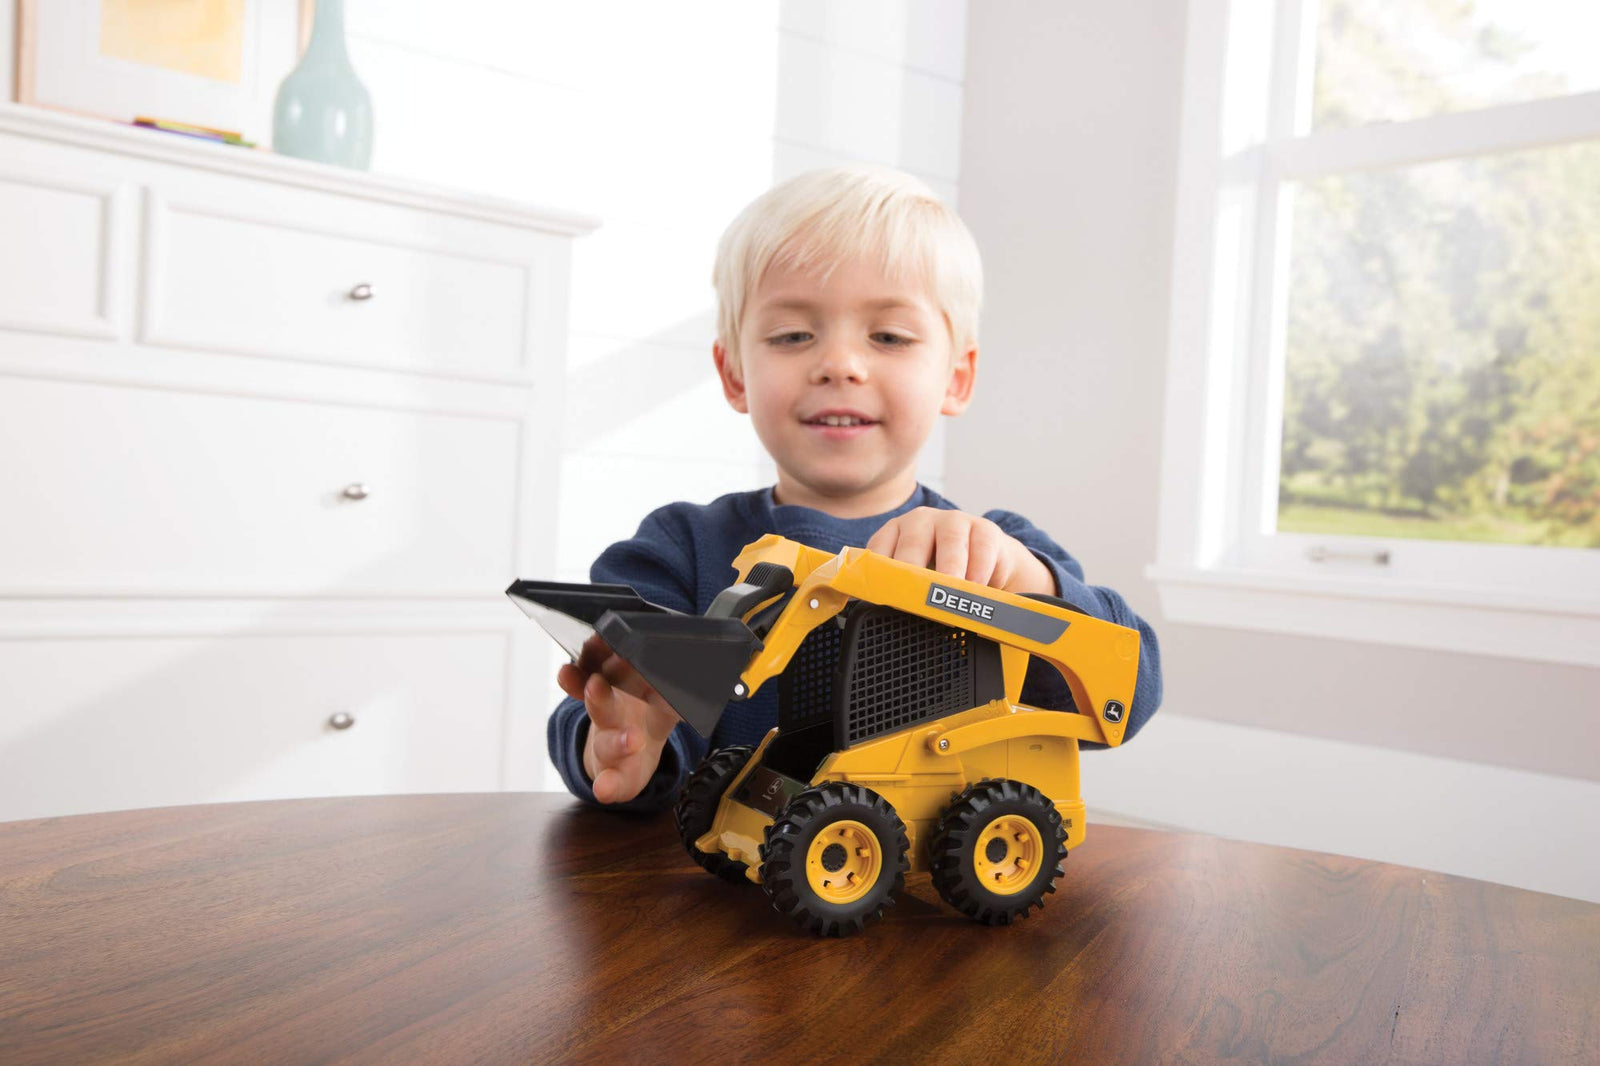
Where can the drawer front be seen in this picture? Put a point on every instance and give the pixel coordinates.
(114, 723)
(62, 251)
(299, 286)
(153, 492)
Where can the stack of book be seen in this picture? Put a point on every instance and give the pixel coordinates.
(185, 129)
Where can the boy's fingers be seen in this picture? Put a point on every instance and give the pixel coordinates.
(608, 786)
(624, 678)
(594, 652)
(571, 680)
(599, 659)
(983, 552)
(915, 543)
(612, 746)
(600, 701)
(950, 548)
(883, 540)
(612, 706)
(618, 784)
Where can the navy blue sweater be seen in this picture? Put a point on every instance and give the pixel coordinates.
(682, 557)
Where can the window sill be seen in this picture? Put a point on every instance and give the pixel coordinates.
(1443, 618)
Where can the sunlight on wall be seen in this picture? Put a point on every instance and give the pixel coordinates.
(662, 120)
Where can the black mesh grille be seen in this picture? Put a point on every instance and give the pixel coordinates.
(805, 693)
(904, 670)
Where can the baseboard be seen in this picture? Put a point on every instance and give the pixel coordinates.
(1126, 821)
(1534, 831)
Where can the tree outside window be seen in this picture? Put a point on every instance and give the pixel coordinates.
(1442, 333)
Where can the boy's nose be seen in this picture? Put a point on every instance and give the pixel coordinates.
(839, 362)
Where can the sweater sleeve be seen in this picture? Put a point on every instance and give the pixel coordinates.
(658, 563)
(1044, 685)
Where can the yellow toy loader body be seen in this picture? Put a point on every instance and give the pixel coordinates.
(902, 742)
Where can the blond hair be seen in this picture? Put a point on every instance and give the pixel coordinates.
(822, 217)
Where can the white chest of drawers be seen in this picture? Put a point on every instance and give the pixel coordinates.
(273, 437)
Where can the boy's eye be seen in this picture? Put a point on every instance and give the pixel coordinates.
(785, 339)
(892, 340)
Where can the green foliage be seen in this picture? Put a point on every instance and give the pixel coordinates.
(1443, 356)
(1361, 522)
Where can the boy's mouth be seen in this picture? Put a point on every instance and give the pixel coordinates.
(839, 425)
(839, 418)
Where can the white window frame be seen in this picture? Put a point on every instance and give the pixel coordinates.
(1246, 100)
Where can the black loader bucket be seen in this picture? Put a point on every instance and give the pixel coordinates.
(694, 661)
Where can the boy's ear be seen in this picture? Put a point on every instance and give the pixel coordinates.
(958, 393)
(732, 381)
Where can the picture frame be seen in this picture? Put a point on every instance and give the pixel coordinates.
(97, 58)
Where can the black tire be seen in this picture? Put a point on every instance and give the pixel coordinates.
(967, 880)
(859, 816)
(697, 806)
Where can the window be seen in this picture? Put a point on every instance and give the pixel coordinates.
(1383, 416)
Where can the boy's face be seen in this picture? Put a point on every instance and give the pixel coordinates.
(861, 349)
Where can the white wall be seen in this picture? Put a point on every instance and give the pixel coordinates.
(653, 117)
(1068, 178)
(8, 52)
(1469, 818)
(662, 119)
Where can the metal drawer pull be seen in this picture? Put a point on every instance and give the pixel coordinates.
(1320, 554)
(363, 291)
(356, 491)
(342, 720)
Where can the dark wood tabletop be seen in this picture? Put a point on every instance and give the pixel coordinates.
(523, 927)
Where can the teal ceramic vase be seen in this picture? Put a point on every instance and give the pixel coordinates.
(323, 112)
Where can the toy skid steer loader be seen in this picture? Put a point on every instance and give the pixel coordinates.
(901, 744)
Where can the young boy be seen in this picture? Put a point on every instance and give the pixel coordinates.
(847, 323)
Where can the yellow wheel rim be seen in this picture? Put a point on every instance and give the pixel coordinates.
(843, 862)
(1008, 854)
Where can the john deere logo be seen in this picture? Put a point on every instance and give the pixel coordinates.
(1033, 625)
(951, 600)
(1113, 711)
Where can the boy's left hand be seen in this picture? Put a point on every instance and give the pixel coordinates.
(965, 546)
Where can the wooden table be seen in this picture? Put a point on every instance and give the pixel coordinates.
(514, 928)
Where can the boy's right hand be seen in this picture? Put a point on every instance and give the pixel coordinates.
(629, 721)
